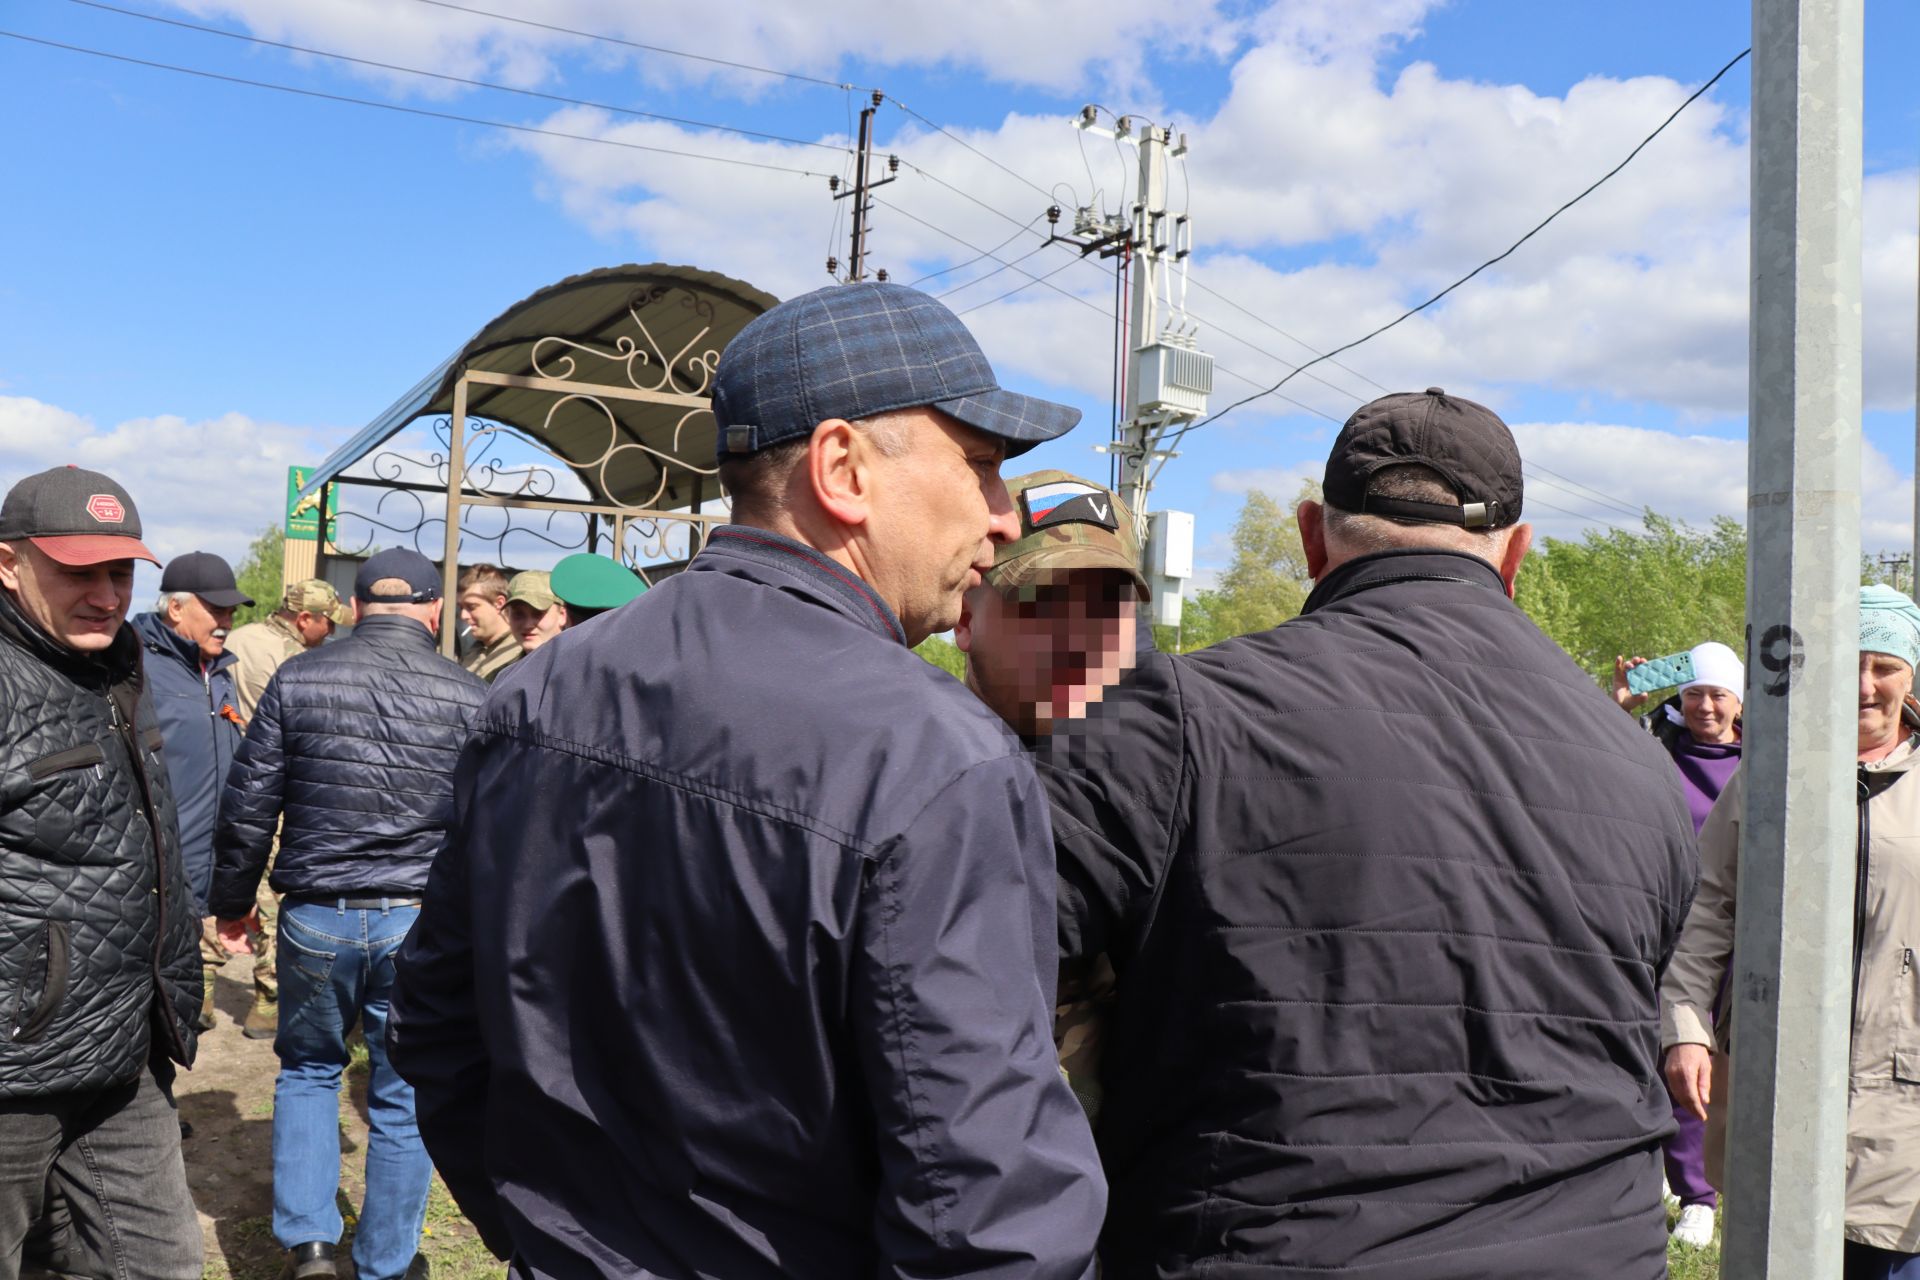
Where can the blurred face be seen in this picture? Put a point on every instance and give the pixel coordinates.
(484, 613)
(1709, 712)
(81, 607)
(1046, 652)
(938, 512)
(535, 627)
(313, 628)
(1885, 682)
(205, 624)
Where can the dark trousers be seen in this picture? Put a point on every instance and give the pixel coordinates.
(113, 1156)
(1864, 1262)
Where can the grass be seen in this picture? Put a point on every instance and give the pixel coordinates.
(1694, 1264)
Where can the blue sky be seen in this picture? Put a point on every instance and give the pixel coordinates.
(201, 282)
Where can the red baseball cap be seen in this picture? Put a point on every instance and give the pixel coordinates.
(76, 516)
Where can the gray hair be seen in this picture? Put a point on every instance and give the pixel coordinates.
(757, 483)
(163, 604)
(1361, 534)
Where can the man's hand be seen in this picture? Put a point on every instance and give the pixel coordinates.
(234, 933)
(1689, 1071)
(1627, 698)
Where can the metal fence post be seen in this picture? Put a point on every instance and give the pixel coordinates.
(1792, 979)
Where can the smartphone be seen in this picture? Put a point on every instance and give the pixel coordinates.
(1660, 673)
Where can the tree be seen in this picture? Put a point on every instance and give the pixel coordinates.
(945, 655)
(259, 575)
(1264, 585)
(1621, 593)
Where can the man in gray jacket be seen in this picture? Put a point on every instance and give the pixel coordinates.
(739, 960)
(99, 976)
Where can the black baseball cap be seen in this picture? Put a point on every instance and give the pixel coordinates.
(205, 575)
(78, 517)
(858, 350)
(1466, 443)
(410, 567)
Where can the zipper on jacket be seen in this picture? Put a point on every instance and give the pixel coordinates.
(130, 738)
(1861, 866)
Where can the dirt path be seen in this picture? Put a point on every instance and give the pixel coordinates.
(228, 1099)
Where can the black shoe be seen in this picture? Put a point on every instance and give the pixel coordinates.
(418, 1269)
(312, 1261)
(186, 1131)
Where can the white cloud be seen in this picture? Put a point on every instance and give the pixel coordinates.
(210, 485)
(1575, 467)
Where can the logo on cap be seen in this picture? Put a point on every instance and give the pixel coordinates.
(1067, 502)
(106, 509)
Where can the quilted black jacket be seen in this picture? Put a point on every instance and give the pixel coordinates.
(355, 743)
(98, 936)
(1389, 889)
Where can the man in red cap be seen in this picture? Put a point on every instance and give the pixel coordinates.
(97, 925)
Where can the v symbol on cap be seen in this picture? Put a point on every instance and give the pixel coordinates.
(1100, 509)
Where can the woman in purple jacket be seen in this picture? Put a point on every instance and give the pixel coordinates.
(1700, 728)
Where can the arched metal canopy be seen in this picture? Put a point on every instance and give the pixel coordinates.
(634, 346)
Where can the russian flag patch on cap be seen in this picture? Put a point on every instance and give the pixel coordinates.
(1066, 502)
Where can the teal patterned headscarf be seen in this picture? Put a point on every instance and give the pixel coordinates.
(1890, 624)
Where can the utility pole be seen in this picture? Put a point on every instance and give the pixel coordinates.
(1792, 978)
(861, 192)
(1168, 378)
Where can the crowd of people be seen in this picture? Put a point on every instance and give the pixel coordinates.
(707, 931)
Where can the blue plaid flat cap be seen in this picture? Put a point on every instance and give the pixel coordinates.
(856, 350)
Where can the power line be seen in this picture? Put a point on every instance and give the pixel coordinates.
(1004, 265)
(413, 111)
(1575, 487)
(976, 258)
(1017, 288)
(1259, 319)
(462, 80)
(1509, 251)
(635, 44)
(954, 137)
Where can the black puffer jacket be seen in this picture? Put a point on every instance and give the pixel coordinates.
(1389, 889)
(97, 927)
(355, 742)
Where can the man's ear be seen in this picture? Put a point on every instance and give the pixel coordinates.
(9, 567)
(840, 471)
(963, 629)
(1518, 543)
(1311, 517)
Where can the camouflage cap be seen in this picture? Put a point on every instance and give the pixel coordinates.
(535, 587)
(315, 595)
(1066, 523)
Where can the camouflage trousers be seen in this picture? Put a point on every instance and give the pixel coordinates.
(266, 985)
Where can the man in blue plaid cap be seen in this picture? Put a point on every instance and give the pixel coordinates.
(740, 959)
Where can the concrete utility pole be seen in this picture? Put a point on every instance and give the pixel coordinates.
(1167, 378)
(1786, 1197)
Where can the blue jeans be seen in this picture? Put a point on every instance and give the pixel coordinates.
(1864, 1262)
(336, 967)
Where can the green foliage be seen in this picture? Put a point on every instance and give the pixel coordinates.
(259, 575)
(1618, 593)
(1265, 584)
(945, 655)
(1895, 571)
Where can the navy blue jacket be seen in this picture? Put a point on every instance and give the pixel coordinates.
(355, 743)
(198, 739)
(739, 961)
(1389, 889)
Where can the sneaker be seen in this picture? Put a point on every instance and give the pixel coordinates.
(262, 1021)
(1694, 1228)
(312, 1261)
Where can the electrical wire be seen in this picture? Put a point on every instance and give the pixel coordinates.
(1202, 286)
(1577, 487)
(1016, 289)
(951, 136)
(1500, 257)
(1004, 265)
(413, 111)
(461, 80)
(990, 253)
(635, 44)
